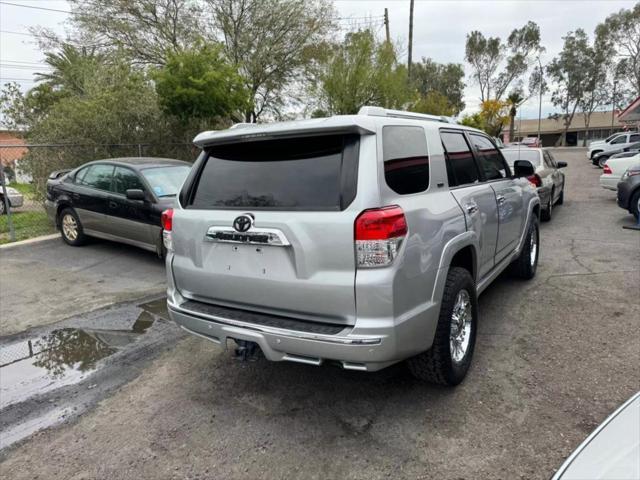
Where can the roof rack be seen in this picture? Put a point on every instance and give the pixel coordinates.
(384, 112)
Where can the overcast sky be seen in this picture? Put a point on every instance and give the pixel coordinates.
(440, 28)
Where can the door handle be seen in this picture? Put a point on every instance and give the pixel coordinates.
(113, 204)
(471, 207)
(501, 199)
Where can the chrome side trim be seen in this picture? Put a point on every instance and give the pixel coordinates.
(255, 236)
(342, 340)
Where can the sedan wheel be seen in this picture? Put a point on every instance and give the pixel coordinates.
(69, 227)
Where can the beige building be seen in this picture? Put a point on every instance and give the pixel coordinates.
(601, 125)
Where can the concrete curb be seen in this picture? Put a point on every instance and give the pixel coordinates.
(29, 241)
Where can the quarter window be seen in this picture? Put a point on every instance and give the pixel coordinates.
(126, 179)
(98, 176)
(406, 159)
(491, 162)
(461, 168)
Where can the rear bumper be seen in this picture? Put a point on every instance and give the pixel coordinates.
(364, 348)
(16, 201)
(624, 194)
(610, 182)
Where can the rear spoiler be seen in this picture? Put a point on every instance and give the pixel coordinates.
(58, 173)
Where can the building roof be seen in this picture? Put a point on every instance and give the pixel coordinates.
(631, 114)
(550, 125)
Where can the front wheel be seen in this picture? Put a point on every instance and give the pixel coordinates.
(448, 359)
(526, 264)
(3, 207)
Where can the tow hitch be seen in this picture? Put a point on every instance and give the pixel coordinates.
(246, 350)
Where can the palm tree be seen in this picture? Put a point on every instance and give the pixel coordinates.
(69, 67)
(514, 100)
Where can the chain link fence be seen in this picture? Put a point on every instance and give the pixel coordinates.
(26, 168)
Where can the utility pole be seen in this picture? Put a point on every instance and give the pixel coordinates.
(613, 103)
(540, 101)
(386, 24)
(410, 37)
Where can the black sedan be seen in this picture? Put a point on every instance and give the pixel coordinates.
(629, 191)
(118, 199)
(548, 179)
(599, 159)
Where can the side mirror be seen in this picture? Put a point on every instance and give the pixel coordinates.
(135, 194)
(561, 164)
(523, 168)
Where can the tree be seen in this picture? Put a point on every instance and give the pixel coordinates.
(148, 30)
(514, 100)
(622, 32)
(269, 42)
(492, 117)
(445, 80)
(362, 71)
(434, 103)
(569, 73)
(200, 84)
(70, 67)
(488, 55)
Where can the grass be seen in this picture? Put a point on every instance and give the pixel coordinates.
(27, 224)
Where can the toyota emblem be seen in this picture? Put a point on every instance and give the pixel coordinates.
(243, 222)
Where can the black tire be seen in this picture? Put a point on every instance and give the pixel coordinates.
(3, 208)
(547, 213)
(80, 238)
(437, 365)
(524, 266)
(561, 197)
(594, 153)
(634, 206)
(602, 161)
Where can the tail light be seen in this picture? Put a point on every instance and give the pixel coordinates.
(535, 180)
(166, 220)
(378, 235)
(607, 170)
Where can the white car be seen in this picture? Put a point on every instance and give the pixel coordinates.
(614, 169)
(618, 142)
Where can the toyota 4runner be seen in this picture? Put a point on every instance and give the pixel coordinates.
(363, 240)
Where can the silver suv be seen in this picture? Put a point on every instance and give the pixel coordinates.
(362, 240)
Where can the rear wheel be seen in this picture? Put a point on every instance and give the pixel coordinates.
(561, 197)
(634, 206)
(547, 213)
(526, 264)
(448, 359)
(3, 207)
(71, 228)
(602, 161)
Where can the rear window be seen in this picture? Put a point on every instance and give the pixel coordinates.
(306, 173)
(532, 156)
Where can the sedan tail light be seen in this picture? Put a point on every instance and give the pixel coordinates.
(166, 220)
(607, 170)
(378, 235)
(535, 180)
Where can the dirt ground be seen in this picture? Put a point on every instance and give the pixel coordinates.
(555, 356)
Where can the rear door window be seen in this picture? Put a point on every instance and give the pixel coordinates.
(98, 176)
(406, 159)
(461, 167)
(491, 161)
(619, 140)
(635, 137)
(307, 173)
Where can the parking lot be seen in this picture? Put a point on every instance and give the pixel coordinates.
(554, 357)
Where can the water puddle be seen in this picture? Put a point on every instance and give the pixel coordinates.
(65, 356)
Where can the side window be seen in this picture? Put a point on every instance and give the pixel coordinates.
(80, 175)
(620, 139)
(98, 176)
(125, 179)
(461, 168)
(491, 162)
(406, 159)
(634, 137)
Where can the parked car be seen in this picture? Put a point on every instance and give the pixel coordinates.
(117, 199)
(619, 142)
(533, 142)
(14, 197)
(614, 169)
(629, 190)
(281, 230)
(599, 159)
(612, 451)
(548, 179)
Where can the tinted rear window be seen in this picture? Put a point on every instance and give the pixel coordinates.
(309, 173)
(406, 160)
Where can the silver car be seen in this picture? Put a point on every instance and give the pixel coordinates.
(362, 240)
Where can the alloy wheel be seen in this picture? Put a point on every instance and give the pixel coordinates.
(460, 329)
(69, 227)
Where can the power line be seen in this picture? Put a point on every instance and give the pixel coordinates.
(35, 8)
